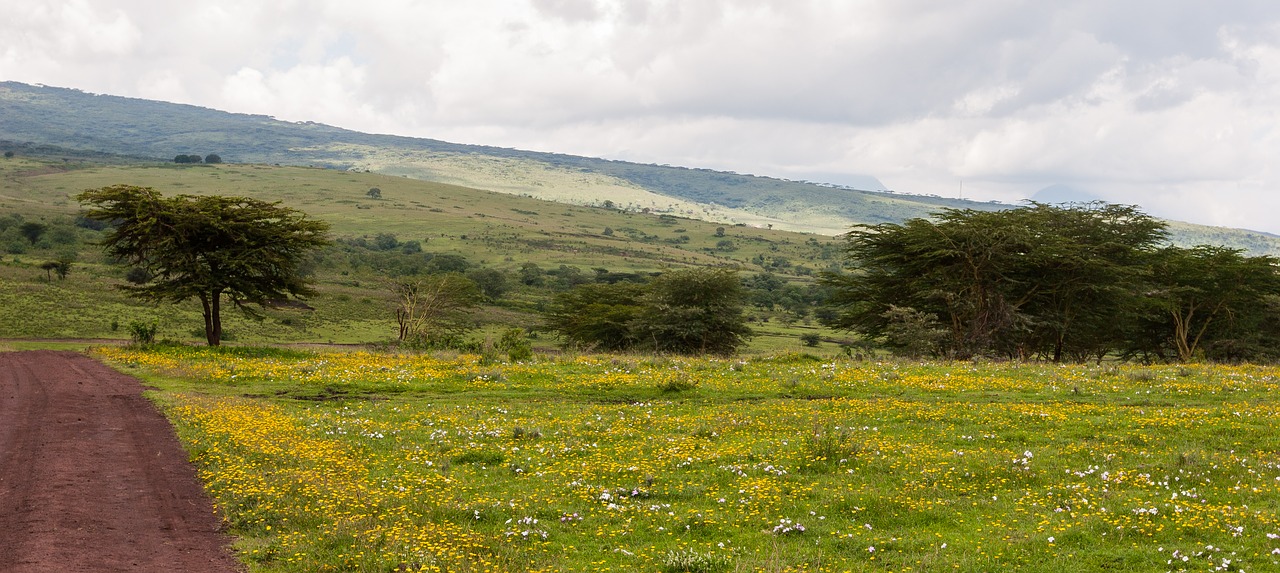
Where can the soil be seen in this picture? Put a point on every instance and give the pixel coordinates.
(92, 477)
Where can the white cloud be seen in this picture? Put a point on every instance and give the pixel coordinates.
(1170, 104)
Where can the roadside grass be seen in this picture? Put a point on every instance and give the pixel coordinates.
(362, 461)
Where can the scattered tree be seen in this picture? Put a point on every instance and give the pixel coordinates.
(448, 263)
(8, 154)
(598, 316)
(1205, 290)
(247, 250)
(694, 311)
(48, 268)
(212, 158)
(434, 311)
(532, 275)
(374, 193)
(64, 262)
(491, 282)
(33, 231)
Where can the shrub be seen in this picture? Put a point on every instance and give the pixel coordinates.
(143, 333)
(516, 344)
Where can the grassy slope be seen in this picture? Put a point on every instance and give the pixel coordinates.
(88, 123)
(490, 229)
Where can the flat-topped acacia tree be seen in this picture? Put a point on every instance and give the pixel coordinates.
(207, 247)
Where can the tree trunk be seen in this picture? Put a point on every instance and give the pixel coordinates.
(212, 303)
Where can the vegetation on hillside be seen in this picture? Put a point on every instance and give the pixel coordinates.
(519, 253)
(70, 124)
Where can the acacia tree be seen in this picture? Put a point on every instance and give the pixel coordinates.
(1043, 280)
(688, 311)
(1206, 290)
(1084, 270)
(207, 247)
(693, 311)
(597, 316)
(959, 267)
(434, 310)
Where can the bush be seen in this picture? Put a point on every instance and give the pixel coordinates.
(144, 333)
(516, 344)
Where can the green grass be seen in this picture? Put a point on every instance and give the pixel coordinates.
(356, 461)
(488, 229)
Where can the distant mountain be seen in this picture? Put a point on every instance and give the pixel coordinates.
(84, 124)
(1059, 194)
(82, 121)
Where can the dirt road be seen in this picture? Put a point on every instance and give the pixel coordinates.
(92, 477)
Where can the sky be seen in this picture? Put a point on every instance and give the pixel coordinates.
(1167, 104)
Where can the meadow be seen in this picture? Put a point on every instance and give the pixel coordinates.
(354, 303)
(358, 461)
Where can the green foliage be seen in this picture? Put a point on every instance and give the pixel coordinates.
(913, 333)
(515, 342)
(143, 332)
(597, 316)
(206, 247)
(32, 231)
(688, 311)
(1212, 297)
(491, 282)
(1076, 282)
(693, 311)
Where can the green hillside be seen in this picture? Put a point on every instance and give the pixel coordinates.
(65, 123)
(136, 127)
(485, 230)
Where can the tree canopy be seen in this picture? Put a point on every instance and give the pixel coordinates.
(688, 311)
(207, 247)
(1058, 282)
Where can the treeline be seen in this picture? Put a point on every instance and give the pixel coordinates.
(212, 158)
(1076, 282)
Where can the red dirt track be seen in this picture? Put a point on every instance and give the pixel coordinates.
(92, 477)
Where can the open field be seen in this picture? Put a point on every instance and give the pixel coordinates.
(376, 462)
(490, 230)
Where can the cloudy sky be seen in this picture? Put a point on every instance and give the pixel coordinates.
(1169, 104)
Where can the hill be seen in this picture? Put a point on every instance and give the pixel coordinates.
(412, 228)
(81, 121)
(52, 121)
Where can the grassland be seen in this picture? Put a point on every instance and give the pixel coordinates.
(490, 230)
(377, 462)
